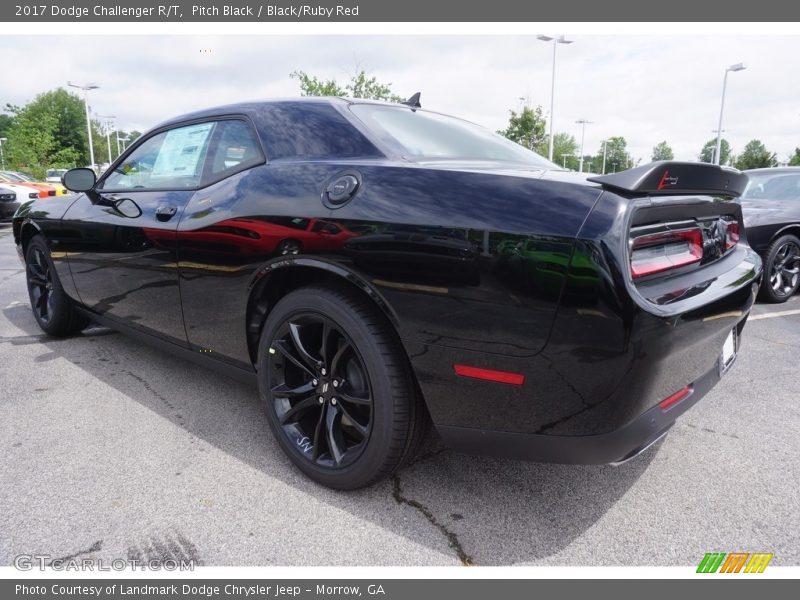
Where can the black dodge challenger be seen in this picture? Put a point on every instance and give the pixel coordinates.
(771, 209)
(378, 267)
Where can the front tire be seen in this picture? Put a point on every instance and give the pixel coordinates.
(337, 388)
(781, 269)
(52, 308)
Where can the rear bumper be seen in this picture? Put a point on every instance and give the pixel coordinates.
(614, 447)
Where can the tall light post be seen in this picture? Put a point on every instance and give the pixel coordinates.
(86, 88)
(583, 123)
(556, 41)
(736, 67)
(2, 156)
(714, 150)
(109, 123)
(605, 143)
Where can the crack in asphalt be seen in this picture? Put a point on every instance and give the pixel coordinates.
(709, 430)
(14, 274)
(96, 547)
(452, 538)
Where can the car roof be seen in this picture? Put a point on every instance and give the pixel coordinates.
(773, 170)
(251, 106)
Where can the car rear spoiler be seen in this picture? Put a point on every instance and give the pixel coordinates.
(668, 177)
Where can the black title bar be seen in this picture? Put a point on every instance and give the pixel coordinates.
(398, 11)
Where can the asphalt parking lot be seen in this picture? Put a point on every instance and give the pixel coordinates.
(112, 449)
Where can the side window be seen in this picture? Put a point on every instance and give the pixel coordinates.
(235, 149)
(172, 159)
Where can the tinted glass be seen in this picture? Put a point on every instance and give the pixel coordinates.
(777, 186)
(172, 159)
(234, 149)
(426, 135)
(310, 130)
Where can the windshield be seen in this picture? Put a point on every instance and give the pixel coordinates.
(421, 135)
(13, 176)
(773, 186)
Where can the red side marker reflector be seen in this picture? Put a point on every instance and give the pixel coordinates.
(490, 374)
(678, 396)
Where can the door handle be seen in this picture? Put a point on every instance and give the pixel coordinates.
(165, 212)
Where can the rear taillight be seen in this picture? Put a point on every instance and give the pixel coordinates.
(658, 252)
(731, 235)
(33, 194)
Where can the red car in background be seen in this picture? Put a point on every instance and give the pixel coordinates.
(44, 190)
(263, 236)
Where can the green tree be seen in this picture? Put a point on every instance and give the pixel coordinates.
(565, 150)
(360, 86)
(710, 147)
(617, 156)
(47, 132)
(794, 161)
(527, 128)
(5, 124)
(662, 151)
(755, 156)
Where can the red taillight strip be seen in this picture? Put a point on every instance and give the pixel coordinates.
(731, 235)
(490, 374)
(675, 398)
(660, 263)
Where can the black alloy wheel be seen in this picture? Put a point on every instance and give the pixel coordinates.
(52, 308)
(781, 269)
(289, 247)
(320, 390)
(40, 285)
(339, 393)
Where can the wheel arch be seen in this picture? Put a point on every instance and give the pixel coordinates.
(277, 279)
(26, 232)
(793, 229)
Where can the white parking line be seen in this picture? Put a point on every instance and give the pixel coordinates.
(780, 313)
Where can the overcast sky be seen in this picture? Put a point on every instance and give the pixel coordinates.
(645, 88)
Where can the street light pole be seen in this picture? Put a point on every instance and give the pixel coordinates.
(86, 88)
(736, 67)
(604, 156)
(583, 123)
(109, 123)
(556, 41)
(2, 156)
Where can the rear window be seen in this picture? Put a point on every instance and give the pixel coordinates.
(773, 186)
(423, 135)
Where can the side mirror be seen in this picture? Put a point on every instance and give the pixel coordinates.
(79, 180)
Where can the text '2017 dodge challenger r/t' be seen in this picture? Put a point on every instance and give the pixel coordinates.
(378, 267)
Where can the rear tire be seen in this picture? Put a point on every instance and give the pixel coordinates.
(337, 387)
(781, 269)
(53, 310)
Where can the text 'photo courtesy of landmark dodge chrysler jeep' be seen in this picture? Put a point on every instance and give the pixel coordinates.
(376, 268)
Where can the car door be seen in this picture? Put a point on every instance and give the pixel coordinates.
(122, 251)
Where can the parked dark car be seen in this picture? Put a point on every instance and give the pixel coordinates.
(8, 202)
(771, 208)
(356, 346)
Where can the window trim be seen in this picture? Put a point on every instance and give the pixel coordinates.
(203, 183)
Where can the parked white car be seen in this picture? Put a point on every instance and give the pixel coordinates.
(54, 175)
